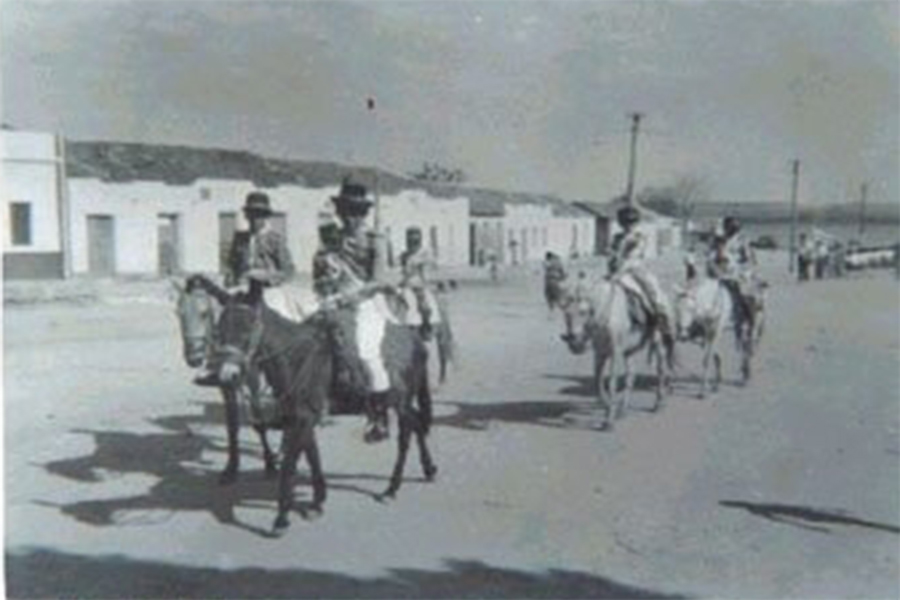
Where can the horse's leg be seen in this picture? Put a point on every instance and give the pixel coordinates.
(259, 426)
(661, 381)
(601, 388)
(232, 422)
(747, 350)
(292, 447)
(625, 399)
(320, 490)
(708, 352)
(429, 469)
(268, 456)
(402, 450)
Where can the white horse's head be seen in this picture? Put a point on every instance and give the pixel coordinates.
(580, 305)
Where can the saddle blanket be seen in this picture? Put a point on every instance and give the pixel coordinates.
(293, 302)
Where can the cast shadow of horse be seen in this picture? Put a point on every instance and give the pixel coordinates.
(585, 387)
(806, 517)
(186, 479)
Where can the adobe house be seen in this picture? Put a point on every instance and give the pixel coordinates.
(34, 205)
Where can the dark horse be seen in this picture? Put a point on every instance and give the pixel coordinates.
(298, 360)
(196, 313)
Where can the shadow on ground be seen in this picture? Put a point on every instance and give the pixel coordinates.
(816, 519)
(185, 481)
(48, 574)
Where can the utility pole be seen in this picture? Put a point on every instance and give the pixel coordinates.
(632, 162)
(795, 182)
(863, 190)
(379, 245)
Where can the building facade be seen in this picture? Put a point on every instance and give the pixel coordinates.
(34, 205)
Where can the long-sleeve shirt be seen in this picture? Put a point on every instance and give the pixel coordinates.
(265, 252)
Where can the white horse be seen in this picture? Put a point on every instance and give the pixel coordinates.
(599, 314)
(704, 309)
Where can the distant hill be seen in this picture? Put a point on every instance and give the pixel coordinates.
(777, 212)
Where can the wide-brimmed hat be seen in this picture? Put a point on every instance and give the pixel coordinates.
(258, 204)
(352, 197)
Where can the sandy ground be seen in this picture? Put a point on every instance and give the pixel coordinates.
(786, 488)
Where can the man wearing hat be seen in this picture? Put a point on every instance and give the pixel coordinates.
(415, 261)
(628, 252)
(344, 269)
(732, 261)
(259, 254)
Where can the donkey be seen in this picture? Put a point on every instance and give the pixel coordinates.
(196, 312)
(298, 360)
(600, 316)
(704, 309)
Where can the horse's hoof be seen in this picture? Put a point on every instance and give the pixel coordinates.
(313, 513)
(280, 527)
(430, 472)
(228, 476)
(387, 496)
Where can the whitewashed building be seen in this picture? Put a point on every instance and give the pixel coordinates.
(33, 190)
(521, 228)
(156, 210)
(154, 228)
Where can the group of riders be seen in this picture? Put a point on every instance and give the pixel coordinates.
(729, 259)
(345, 273)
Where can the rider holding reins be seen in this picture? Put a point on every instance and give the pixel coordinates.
(627, 256)
(344, 273)
(732, 261)
(258, 255)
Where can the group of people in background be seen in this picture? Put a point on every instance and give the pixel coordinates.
(819, 257)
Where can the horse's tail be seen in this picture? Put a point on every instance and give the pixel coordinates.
(422, 386)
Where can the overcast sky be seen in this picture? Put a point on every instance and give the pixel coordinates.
(521, 95)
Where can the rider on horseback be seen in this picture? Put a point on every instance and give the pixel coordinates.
(257, 256)
(626, 260)
(731, 260)
(415, 262)
(344, 272)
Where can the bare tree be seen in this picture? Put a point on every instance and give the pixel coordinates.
(437, 173)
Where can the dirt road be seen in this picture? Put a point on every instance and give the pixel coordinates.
(786, 488)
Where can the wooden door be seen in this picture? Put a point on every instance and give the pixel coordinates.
(101, 245)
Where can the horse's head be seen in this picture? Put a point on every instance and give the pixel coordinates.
(686, 308)
(238, 336)
(579, 314)
(196, 318)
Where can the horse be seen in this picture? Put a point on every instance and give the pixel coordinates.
(298, 361)
(705, 309)
(601, 316)
(196, 312)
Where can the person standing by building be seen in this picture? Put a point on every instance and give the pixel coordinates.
(415, 263)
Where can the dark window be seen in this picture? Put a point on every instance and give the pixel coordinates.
(20, 219)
